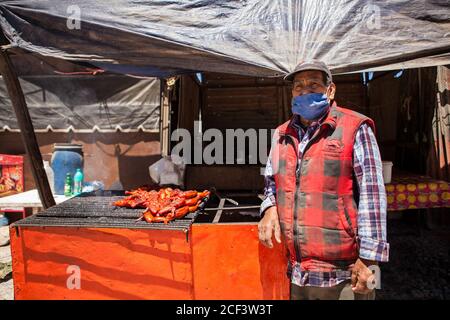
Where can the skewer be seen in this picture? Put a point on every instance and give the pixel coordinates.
(231, 208)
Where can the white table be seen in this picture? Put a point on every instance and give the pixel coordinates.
(28, 199)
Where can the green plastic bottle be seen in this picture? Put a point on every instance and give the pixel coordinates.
(68, 185)
(78, 182)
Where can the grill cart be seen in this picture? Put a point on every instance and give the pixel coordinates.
(85, 248)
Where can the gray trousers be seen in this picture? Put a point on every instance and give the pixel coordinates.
(342, 291)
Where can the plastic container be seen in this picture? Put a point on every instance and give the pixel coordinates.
(66, 158)
(387, 171)
(93, 186)
(169, 170)
(3, 220)
(4, 230)
(78, 182)
(50, 175)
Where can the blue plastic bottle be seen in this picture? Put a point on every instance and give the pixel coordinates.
(78, 182)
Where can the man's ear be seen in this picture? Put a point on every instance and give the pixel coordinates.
(331, 91)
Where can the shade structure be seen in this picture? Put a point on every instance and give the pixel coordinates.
(254, 37)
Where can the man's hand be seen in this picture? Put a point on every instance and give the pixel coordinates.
(267, 225)
(361, 274)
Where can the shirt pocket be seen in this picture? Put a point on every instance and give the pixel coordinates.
(344, 216)
(333, 147)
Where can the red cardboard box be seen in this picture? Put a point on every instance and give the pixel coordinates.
(11, 175)
(11, 178)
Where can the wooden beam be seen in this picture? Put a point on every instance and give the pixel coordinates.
(26, 129)
(165, 119)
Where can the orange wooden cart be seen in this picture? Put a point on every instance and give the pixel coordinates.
(205, 261)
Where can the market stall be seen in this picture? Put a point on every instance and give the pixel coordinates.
(86, 248)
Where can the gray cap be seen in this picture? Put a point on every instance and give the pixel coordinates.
(310, 65)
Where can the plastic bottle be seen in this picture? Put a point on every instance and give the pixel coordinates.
(50, 176)
(68, 185)
(78, 182)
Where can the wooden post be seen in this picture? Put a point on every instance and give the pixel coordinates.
(165, 119)
(26, 129)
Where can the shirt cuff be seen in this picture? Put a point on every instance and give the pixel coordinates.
(266, 204)
(374, 250)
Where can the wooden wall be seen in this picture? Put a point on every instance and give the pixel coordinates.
(232, 102)
(243, 102)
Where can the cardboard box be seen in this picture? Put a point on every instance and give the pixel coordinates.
(11, 175)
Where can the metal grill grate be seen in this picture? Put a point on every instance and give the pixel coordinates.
(97, 210)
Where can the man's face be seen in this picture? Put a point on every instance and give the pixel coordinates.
(311, 81)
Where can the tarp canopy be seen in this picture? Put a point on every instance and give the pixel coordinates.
(252, 37)
(84, 103)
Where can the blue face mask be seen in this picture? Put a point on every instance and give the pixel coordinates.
(310, 106)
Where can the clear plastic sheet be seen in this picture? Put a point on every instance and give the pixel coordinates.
(251, 37)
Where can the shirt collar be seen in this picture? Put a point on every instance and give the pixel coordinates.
(298, 125)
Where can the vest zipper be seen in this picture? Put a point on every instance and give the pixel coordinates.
(294, 211)
(297, 183)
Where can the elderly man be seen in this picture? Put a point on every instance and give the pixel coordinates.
(325, 193)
